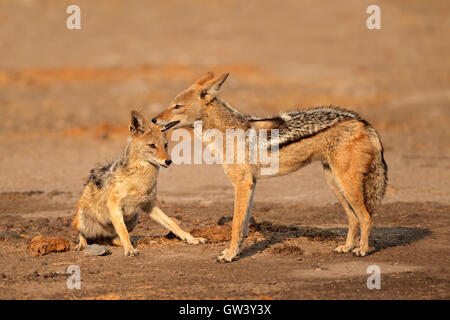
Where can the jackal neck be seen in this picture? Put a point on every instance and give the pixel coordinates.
(221, 116)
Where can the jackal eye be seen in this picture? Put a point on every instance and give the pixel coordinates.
(166, 145)
(152, 146)
(177, 106)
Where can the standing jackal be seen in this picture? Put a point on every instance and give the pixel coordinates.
(348, 147)
(115, 193)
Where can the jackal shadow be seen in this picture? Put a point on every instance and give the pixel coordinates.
(381, 237)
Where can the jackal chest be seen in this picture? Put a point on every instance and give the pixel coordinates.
(137, 197)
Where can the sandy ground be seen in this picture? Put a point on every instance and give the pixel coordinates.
(65, 98)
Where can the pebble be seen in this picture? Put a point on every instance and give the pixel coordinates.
(96, 250)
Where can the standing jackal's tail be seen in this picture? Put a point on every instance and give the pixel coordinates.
(375, 180)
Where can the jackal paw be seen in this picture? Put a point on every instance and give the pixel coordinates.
(343, 249)
(362, 252)
(80, 246)
(195, 240)
(227, 256)
(131, 252)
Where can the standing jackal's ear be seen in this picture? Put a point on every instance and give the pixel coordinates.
(203, 79)
(212, 87)
(138, 123)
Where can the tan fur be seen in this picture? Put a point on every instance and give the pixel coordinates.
(349, 149)
(115, 194)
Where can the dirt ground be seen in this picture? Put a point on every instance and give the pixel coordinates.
(65, 97)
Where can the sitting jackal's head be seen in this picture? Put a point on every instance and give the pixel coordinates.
(187, 107)
(147, 141)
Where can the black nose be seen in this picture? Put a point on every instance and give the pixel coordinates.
(168, 162)
(154, 120)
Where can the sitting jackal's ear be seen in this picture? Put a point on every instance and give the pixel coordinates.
(203, 79)
(138, 123)
(212, 87)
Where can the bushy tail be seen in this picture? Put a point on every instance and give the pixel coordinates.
(375, 180)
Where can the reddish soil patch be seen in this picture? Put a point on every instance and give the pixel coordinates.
(40, 246)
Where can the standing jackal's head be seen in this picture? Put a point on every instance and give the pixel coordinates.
(187, 107)
(148, 142)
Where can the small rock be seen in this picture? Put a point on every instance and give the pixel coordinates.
(96, 250)
(205, 203)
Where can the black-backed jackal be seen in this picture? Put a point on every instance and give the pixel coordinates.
(348, 147)
(115, 193)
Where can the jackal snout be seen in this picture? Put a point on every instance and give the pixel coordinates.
(188, 106)
(148, 142)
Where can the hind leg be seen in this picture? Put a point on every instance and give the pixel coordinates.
(351, 185)
(353, 223)
(350, 162)
(77, 224)
(82, 243)
(116, 242)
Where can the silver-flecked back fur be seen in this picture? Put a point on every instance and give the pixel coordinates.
(296, 125)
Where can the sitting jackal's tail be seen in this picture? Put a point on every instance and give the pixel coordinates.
(375, 179)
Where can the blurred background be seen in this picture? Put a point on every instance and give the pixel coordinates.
(65, 95)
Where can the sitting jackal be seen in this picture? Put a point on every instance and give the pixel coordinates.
(115, 193)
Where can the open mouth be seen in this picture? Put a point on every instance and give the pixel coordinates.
(157, 163)
(169, 125)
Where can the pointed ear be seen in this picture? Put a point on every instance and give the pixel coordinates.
(213, 86)
(203, 79)
(138, 124)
